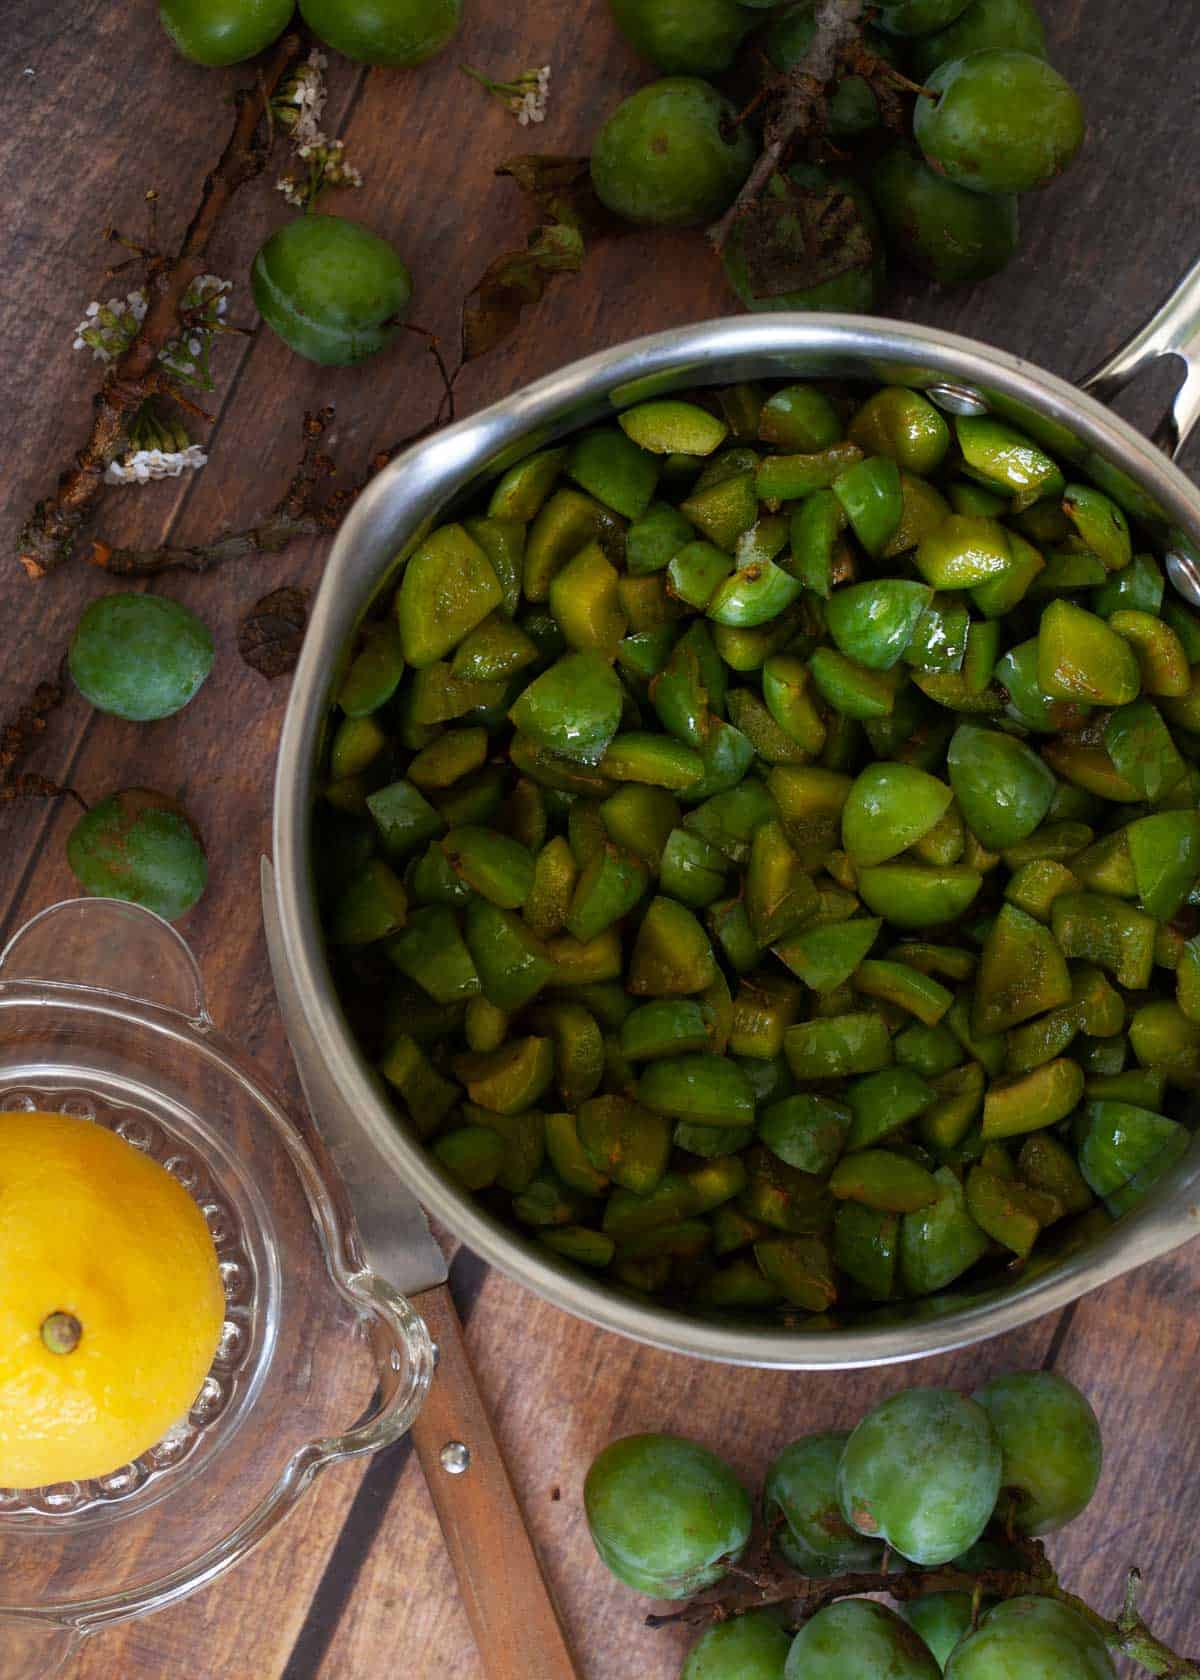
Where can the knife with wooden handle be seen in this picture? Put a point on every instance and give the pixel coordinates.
(511, 1611)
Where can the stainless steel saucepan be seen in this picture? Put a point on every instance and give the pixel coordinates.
(435, 476)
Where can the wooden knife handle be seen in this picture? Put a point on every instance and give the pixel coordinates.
(512, 1614)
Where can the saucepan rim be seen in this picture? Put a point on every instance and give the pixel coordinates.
(394, 508)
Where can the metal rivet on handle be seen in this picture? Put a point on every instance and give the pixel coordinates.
(455, 1458)
(1185, 575)
(957, 399)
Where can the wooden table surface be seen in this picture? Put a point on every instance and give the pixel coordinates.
(98, 110)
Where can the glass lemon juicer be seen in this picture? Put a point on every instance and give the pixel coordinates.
(103, 1015)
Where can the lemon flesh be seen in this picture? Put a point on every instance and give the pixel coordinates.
(94, 1231)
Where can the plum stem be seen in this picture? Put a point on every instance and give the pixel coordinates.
(802, 1596)
(801, 106)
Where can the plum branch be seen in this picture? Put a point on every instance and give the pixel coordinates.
(797, 100)
(797, 104)
(47, 539)
(300, 512)
(801, 1596)
(19, 734)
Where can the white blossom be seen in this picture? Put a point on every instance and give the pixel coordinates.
(205, 302)
(307, 93)
(140, 466)
(526, 96)
(327, 167)
(108, 329)
(299, 108)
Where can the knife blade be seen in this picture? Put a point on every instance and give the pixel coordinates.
(512, 1613)
(393, 1231)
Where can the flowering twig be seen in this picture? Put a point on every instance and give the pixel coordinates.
(296, 515)
(158, 444)
(159, 447)
(300, 513)
(799, 105)
(109, 329)
(525, 96)
(297, 108)
(48, 537)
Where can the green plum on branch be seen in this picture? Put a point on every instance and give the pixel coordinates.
(933, 1500)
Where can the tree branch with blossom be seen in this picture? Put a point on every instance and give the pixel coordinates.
(47, 539)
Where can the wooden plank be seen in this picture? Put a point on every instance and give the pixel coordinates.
(1097, 251)
(1131, 1347)
(244, 1627)
(77, 160)
(559, 1391)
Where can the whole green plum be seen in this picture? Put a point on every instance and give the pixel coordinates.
(1035, 1639)
(1050, 1443)
(671, 155)
(922, 1471)
(918, 17)
(219, 32)
(984, 24)
(857, 1637)
(801, 1488)
(667, 1516)
(1003, 121)
(944, 231)
(683, 37)
(750, 1647)
(140, 846)
(769, 249)
(139, 657)
(396, 32)
(941, 1619)
(333, 291)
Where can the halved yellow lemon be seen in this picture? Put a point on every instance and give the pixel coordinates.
(110, 1300)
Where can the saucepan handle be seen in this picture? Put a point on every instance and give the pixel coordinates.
(1173, 330)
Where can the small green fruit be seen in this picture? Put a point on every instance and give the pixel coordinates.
(139, 657)
(667, 1516)
(333, 290)
(140, 846)
(671, 155)
(220, 32)
(396, 32)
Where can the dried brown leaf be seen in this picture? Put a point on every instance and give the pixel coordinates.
(560, 191)
(796, 237)
(512, 282)
(560, 188)
(270, 635)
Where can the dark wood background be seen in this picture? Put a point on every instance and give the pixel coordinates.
(97, 110)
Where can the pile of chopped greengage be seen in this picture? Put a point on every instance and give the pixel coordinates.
(759, 851)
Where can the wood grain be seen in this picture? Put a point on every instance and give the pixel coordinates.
(110, 112)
